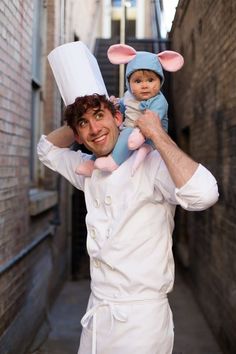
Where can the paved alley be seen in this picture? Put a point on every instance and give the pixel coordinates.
(192, 334)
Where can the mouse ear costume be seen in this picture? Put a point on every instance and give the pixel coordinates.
(76, 71)
(124, 54)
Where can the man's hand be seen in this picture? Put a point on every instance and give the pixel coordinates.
(150, 125)
(62, 137)
(115, 101)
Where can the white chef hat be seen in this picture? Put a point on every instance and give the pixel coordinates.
(76, 71)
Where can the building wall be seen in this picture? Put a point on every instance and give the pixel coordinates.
(33, 219)
(204, 106)
(84, 21)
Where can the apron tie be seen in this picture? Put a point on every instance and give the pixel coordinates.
(92, 314)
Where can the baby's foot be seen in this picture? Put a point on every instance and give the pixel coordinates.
(85, 169)
(106, 164)
(140, 156)
(136, 139)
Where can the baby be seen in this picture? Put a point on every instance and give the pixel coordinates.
(144, 79)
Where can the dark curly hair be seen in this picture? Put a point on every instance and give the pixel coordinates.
(75, 111)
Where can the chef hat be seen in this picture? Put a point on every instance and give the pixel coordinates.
(76, 71)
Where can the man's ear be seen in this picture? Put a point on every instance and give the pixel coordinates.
(78, 139)
(118, 118)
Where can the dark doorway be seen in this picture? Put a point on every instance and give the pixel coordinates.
(80, 258)
(181, 239)
(79, 255)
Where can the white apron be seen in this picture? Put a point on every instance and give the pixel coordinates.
(140, 326)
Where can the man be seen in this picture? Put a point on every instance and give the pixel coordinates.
(130, 222)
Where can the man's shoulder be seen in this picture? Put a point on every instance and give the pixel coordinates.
(153, 156)
(152, 162)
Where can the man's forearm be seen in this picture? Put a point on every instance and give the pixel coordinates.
(180, 166)
(61, 137)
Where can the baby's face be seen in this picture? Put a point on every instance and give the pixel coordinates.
(144, 84)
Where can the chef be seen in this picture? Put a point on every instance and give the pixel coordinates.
(130, 219)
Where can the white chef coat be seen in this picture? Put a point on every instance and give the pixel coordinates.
(130, 222)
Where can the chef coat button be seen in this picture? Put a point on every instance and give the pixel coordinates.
(93, 233)
(96, 203)
(108, 200)
(108, 232)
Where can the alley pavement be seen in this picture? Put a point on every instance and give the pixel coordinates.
(61, 333)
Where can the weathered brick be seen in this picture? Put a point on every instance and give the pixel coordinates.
(204, 101)
(21, 309)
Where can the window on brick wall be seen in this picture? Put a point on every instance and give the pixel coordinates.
(37, 42)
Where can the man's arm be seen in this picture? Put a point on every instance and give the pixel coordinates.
(62, 137)
(55, 153)
(180, 166)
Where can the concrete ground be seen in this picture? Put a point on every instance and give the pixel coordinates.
(192, 334)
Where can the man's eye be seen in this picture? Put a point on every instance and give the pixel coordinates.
(82, 123)
(99, 116)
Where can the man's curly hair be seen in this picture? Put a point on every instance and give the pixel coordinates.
(76, 110)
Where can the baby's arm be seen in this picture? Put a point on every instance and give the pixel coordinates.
(159, 105)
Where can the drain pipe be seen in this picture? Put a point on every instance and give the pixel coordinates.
(122, 41)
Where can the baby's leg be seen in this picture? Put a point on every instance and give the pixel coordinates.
(140, 156)
(136, 139)
(106, 164)
(119, 154)
(85, 169)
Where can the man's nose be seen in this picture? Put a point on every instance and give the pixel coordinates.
(95, 127)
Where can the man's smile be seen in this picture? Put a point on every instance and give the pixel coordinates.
(100, 139)
(98, 130)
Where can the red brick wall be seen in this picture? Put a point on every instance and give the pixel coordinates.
(26, 287)
(15, 98)
(204, 105)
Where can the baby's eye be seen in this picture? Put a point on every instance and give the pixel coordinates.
(150, 80)
(137, 81)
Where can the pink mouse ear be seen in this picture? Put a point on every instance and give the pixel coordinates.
(120, 53)
(171, 61)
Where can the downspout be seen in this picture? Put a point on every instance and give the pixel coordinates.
(122, 41)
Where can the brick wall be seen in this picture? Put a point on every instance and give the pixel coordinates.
(33, 246)
(15, 96)
(204, 106)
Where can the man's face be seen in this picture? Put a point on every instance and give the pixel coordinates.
(144, 84)
(98, 130)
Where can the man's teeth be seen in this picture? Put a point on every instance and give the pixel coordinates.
(100, 138)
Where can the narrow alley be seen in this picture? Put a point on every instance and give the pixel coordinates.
(192, 333)
(43, 242)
